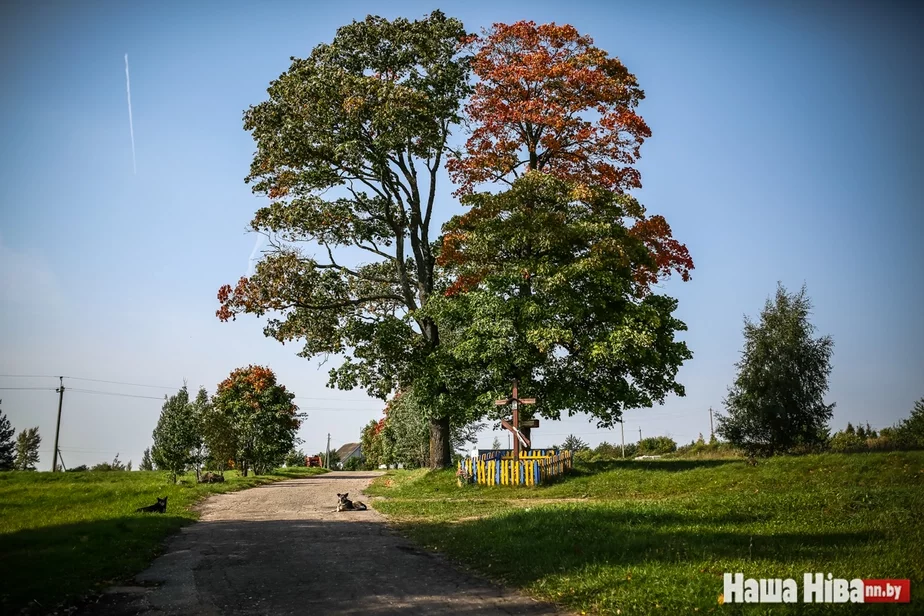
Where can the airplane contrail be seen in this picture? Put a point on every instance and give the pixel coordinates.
(131, 126)
(253, 254)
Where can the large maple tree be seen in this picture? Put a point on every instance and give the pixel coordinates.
(553, 276)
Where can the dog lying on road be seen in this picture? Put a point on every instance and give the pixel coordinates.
(345, 504)
(159, 507)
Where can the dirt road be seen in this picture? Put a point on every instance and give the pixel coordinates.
(281, 549)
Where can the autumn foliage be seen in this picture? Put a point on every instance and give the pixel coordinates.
(547, 99)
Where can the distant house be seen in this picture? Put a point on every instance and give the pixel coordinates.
(350, 450)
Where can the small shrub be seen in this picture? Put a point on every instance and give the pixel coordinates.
(295, 458)
(657, 446)
(353, 464)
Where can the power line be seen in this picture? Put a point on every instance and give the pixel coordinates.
(111, 393)
(77, 378)
(29, 376)
(28, 388)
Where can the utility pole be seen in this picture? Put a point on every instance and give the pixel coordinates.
(62, 461)
(711, 433)
(60, 390)
(327, 459)
(622, 435)
(640, 435)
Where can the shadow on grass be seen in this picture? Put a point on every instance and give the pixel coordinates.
(40, 567)
(600, 466)
(569, 539)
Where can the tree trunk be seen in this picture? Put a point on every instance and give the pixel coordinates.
(440, 450)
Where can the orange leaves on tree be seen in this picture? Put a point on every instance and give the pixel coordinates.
(669, 254)
(547, 99)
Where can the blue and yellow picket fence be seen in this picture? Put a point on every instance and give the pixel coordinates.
(494, 468)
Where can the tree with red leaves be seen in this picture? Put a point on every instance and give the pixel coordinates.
(548, 100)
(262, 417)
(552, 276)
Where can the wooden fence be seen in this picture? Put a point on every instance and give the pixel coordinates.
(498, 467)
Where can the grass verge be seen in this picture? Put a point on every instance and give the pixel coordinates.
(655, 537)
(67, 535)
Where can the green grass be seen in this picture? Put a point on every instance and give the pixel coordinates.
(66, 535)
(655, 537)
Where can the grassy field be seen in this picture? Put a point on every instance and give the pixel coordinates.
(65, 535)
(655, 537)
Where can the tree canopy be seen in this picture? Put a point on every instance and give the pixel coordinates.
(545, 292)
(349, 147)
(177, 434)
(260, 414)
(548, 99)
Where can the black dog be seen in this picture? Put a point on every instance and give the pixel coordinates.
(159, 507)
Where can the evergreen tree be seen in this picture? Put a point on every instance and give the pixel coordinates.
(574, 443)
(146, 463)
(7, 444)
(776, 402)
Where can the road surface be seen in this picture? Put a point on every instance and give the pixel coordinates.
(282, 549)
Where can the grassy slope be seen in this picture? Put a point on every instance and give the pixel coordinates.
(655, 537)
(63, 535)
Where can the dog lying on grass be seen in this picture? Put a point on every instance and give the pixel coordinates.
(159, 507)
(345, 504)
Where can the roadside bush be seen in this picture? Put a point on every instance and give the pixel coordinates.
(295, 458)
(656, 446)
(354, 464)
(115, 465)
(846, 442)
(713, 449)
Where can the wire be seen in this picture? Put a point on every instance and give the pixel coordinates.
(110, 393)
(29, 376)
(77, 378)
(28, 388)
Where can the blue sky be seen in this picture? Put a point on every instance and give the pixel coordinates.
(786, 147)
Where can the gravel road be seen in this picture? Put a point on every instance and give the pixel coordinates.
(282, 549)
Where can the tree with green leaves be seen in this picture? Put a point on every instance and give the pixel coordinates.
(177, 434)
(332, 462)
(405, 432)
(777, 400)
(262, 416)
(7, 443)
(220, 439)
(549, 289)
(295, 458)
(574, 443)
(552, 277)
(201, 407)
(910, 431)
(496, 444)
(27, 449)
(350, 145)
(147, 464)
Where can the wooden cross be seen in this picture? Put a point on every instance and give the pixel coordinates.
(514, 425)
